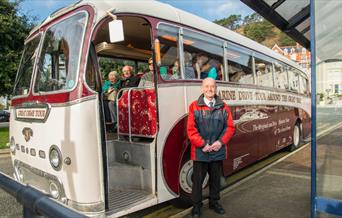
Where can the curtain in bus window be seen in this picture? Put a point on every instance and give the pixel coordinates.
(239, 64)
(263, 70)
(203, 54)
(168, 38)
(22, 83)
(293, 79)
(60, 55)
(280, 76)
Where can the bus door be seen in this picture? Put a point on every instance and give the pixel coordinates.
(130, 134)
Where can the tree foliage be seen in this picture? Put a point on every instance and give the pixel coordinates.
(259, 31)
(232, 22)
(255, 27)
(13, 30)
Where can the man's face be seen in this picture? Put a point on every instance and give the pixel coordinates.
(209, 88)
(126, 70)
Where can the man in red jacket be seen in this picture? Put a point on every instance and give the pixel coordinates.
(210, 127)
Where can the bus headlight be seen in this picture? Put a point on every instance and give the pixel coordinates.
(54, 190)
(12, 145)
(55, 157)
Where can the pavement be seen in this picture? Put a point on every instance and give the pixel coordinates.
(282, 189)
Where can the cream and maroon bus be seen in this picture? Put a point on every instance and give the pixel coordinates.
(59, 139)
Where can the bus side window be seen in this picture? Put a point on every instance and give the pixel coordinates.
(280, 76)
(303, 85)
(263, 70)
(293, 79)
(203, 56)
(168, 38)
(239, 65)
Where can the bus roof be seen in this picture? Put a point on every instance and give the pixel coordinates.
(170, 13)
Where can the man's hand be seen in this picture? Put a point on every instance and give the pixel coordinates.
(216, 146)
(206, 148)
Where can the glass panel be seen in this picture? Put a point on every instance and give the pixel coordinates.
(329, 112)
(303, 89)
(60, 55)
(168, 37)
(24, 76)
(280, 76)
(263, 69)
(290, 8)
(239, 64)
(293, 79)
(205, 54)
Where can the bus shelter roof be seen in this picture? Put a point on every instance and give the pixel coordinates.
(290, 16)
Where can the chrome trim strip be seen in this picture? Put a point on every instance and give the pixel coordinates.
(87, 207)
(74, 102)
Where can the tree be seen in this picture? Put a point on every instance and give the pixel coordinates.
(259, 31)
(232, 22)
(13, 30)
(285, 40)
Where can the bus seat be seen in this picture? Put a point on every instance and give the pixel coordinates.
(143, 113)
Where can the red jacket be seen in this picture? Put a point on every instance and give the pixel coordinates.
(207, 125)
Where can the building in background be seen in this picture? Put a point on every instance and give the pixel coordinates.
(296, 53)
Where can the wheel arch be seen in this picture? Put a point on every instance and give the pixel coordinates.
(176, 145)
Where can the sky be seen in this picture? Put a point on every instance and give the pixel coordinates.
(208, 9)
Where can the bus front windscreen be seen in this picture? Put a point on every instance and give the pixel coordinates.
(60, 55)
(22, 83)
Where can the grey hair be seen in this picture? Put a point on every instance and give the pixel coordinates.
(113, 73)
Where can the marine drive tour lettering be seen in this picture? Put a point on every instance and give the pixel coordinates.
(230, 95)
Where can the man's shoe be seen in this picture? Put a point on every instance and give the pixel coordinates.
(217, 208)
(196, 212)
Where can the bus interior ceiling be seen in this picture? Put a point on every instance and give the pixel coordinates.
(137, 43)
(129, 163)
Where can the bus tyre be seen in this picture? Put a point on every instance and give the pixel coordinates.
(185, 182)
(296, 135)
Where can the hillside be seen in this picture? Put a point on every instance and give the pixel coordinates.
(256, 28)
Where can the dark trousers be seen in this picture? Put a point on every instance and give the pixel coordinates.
(214, 170)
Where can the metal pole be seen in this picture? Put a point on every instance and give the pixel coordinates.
(313, 109)
(35, 203)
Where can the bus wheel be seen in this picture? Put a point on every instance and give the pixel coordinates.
(296, 137)
(185, 182)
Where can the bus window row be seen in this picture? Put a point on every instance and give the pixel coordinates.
(191, 55)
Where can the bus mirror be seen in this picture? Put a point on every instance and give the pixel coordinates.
(157, 51)
(116, 33)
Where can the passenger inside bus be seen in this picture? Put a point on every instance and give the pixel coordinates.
(147, 79)
(110, 89)
(128, 79)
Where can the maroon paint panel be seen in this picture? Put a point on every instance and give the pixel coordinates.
(174, 148)
(81, 90)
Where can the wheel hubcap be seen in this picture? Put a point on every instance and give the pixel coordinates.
(185, 177)
(296, 136)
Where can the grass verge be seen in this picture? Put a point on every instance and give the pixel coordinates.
(4, 132)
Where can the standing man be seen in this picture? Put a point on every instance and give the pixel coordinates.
(210, 127)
